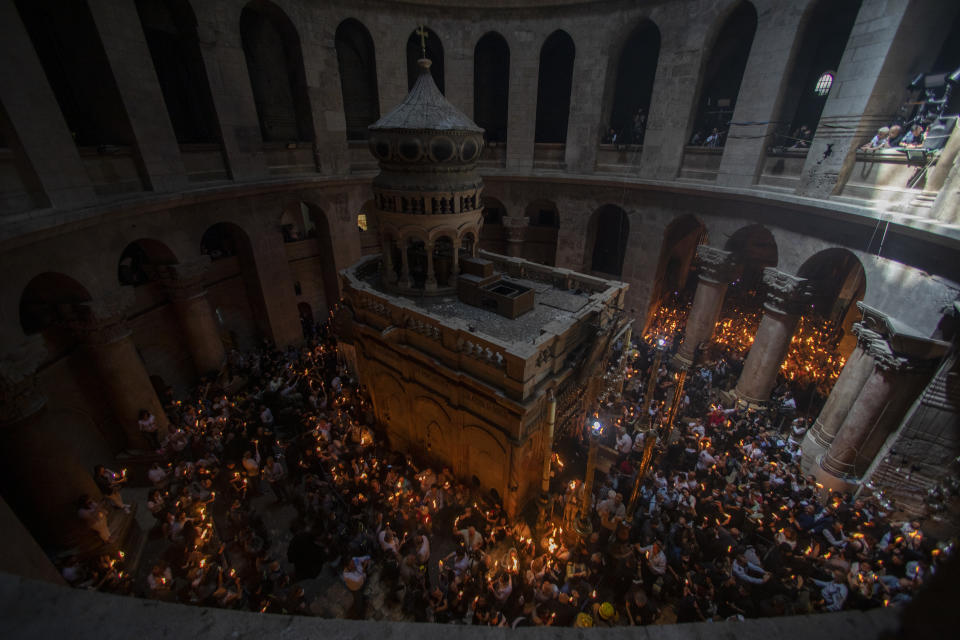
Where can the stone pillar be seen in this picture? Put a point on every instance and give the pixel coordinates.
(880, 56)
(675, 88)
(101, 325)
(230, 90)
(404, 280)
(842, 397)
(184, 285)
(326, 101)
(903, 362)
(785, 296)
(454, 264)
(716, 270)
(430, 284)
(515, 230)
(35, 116)
(761, 91)
(129, 57)
(41, 474)
(584, 127)
(522, 98)
(386, 251)
(946, 180)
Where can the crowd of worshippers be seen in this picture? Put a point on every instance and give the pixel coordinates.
(725, 524)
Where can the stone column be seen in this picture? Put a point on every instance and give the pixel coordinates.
(522, 98)
(893, 383)
(326, 101)
(430, 284)
(945, 179)
(184, 285)
(404, 280)
(34, 114)
(584, 127)
(781, 312)
(42, 475)
(842, 397)
(761, 91)
(454, 264)
(101, 325)
(675, 88)
(231, 92)
(716, 270)
(515, 230)
(386, 251)
(880, 55)
(126, 48)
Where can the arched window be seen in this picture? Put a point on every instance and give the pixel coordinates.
(358, 78)
(68, 45)
(553, 88)
(171, 31)
(491, 85)
(434, 53)
(636, 71)
(275, 64)
(723, 73)
(822, 43)
(824, 82)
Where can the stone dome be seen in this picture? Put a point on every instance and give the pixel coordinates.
(425, 132)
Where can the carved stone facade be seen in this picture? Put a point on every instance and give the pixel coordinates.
(786, 293)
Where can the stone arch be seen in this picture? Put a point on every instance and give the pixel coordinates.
(554, 86)
(230, 244)
(439, 437)
(607, 235)
(434, 48)
(133, 267)
(390, 403)
(271, 46)
(491, 85)
(823, 38)
(754, 248)
(43, 298)
(486, 457)
(170, 27)
(633, 79)
(677, 251)
(722, 73)
(837, 281)
(540, 244)
(357, 63)
(319, 228)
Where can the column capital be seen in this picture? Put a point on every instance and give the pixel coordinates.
(716, 265)
(183, 280)
(786, 293)
(515, 228)
(20, 395)
(103, 320)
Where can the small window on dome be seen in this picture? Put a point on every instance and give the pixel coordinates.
(362, 222)
(824, 82)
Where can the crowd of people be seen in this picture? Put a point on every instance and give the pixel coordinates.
(725, 524)
(896, 136)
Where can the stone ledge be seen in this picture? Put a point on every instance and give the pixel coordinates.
(37, 610)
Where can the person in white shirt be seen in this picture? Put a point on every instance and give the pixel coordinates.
(834, 593)
(624, 444)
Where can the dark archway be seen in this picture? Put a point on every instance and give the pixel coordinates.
(133, 269)
(491, 85)
(434, 52)
(636, 71)
(823, 41)
(171, 31)
(610, 229)
(553, 88)
(69, 48)
(754, 248)
(491, 234)
(358, 77)
(838, 282)
(321, 230)
(544, 227)
(44, 296)
(720, 81)
(271, 47)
